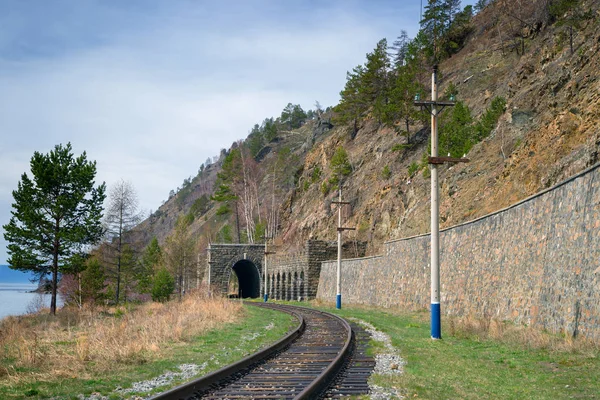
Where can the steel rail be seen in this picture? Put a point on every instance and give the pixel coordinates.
(328, 375)
(209, 381)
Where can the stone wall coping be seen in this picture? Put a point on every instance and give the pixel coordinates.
(236, 245)
(353, 259)
(527, 199)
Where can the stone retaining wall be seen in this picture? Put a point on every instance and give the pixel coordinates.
(536, 262)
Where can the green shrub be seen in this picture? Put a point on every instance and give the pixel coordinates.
(325, 188)
(386, 173)
(413, 168)
(340, 164)
(400, 147)
(260, 231)
(163, 285)
(225, 235)
(200, 205)
(223, 210)
(489, 119)
(316, 174)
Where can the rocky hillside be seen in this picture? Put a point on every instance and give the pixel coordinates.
(547, 132)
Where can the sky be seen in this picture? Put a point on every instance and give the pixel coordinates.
(150, 89)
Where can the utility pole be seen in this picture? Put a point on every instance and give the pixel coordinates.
(198, 272)
(434, 161)
(209, 270)
(340, 229)
(266, 294)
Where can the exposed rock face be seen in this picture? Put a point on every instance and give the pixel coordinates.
(548, 132)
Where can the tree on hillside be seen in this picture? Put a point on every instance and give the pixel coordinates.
(569, 13)
(435, 23)
(374, 80)
(179, 254)
(402, 93)
(238, 183)
(224, 192)
(353, 104)
(247, 188)
(400, 48)
(458, 31)
(200, 206)
(481, 4)
(269, 129)
(255, 140)
(293, 116)
(281, 177)
(121, 217)
(340, 166)
(55, 215)
(456, 131)
(318, 109)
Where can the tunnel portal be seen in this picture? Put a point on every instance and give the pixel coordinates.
(248, 279)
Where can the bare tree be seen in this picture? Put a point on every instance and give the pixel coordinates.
(121, 217)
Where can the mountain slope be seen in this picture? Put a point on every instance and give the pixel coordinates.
(547, 133)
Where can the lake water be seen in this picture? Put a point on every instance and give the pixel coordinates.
(17, 299)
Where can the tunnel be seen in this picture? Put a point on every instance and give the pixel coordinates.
(248, 278)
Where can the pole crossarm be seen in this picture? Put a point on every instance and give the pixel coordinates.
(428, 104)
(342, 229)
(340, 202)
(444, 160)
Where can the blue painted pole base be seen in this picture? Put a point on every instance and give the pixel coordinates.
(266, 297)
(436, 321)
(338, 301)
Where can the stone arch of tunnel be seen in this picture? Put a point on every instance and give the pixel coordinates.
(248, 279)
(290, 276)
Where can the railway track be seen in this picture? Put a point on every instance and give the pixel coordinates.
(317, 359)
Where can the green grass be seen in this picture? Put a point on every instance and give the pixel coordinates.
(227, 344)
(468, 367)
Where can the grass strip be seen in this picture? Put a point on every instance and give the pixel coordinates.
(218, 347)
(466, 364)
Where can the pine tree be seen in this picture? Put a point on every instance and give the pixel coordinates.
(434, 25)
(352, 105)
(458, 31)
(55, 215)
(163, 286)
(400, 49)
(340, 166)
(456, 131)
(152, 260)
(374, 83)
(224, 192)
(293, 116)
(269, 129)
(402, 93)
(93, 281)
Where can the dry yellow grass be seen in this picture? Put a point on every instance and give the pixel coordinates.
(68, 344)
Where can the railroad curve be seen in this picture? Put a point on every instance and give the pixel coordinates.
(302, 365)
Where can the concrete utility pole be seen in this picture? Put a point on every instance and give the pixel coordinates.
(340, 229)
(436, 324)
(265, 272)
(266, 294)
(434, 161)
(209, 270)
